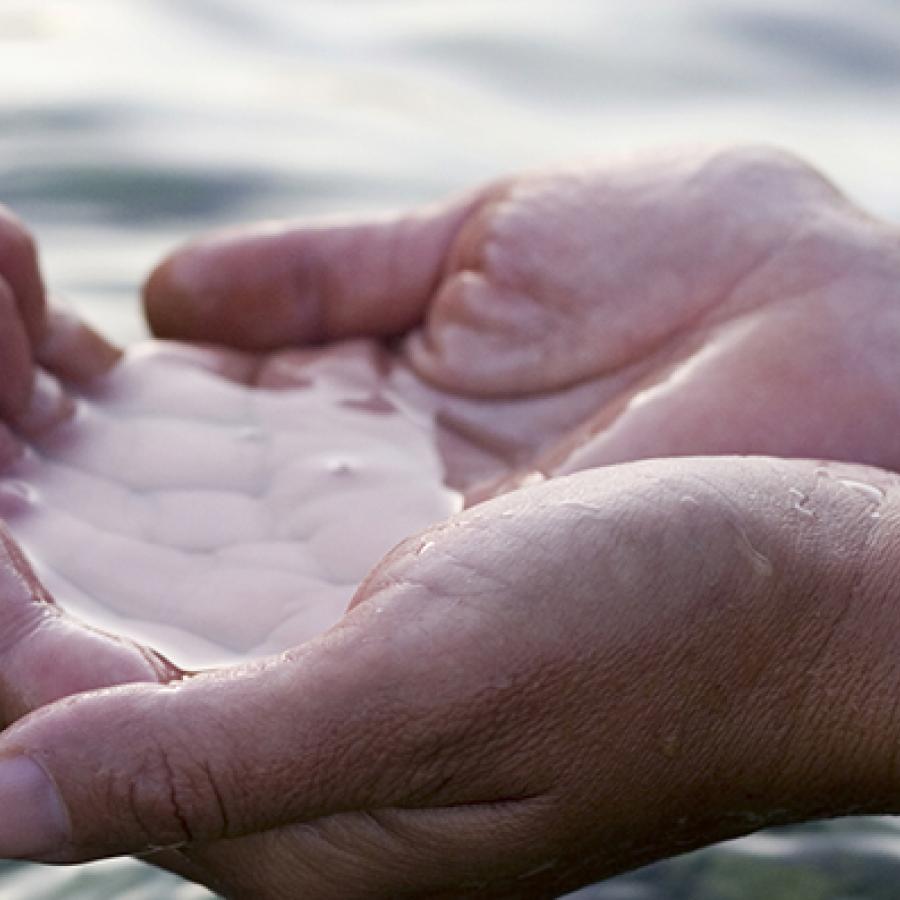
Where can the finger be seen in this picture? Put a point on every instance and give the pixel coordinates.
(341, 724)
(19, 269)
(366, 717)
(72, 350)
(68, 348)
(168, 768)
(10, 448)
(295, 284)
(16, 368)
(362, 718)
(596, 272)
(427, 695)
(45, 654)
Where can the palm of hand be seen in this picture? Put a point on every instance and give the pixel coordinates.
(736, 304)
(578, 320)
(215, 520)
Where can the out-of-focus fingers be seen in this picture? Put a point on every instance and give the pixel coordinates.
(72, 350)
(20, 270)
(10, 448)
(16, 367)
(49, 405)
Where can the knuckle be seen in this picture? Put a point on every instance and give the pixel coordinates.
(752, 164)
(174, 797)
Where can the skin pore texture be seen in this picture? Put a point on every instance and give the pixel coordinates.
(607, 663)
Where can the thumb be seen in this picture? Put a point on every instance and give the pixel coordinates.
(221, 754)
(269, 287)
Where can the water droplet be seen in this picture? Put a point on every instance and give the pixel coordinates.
(800, 502)
(250, 434)
(537, 870)
(671, 744)
(581, 505)
(340, 467)
(425, 548)
(688, 500)
(762, 565)
(871, 492)
(16, 497)
(874, 493)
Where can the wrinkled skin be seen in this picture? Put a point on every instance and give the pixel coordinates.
(576, 677)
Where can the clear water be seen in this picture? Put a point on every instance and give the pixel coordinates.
(126, 125)
(162, 505)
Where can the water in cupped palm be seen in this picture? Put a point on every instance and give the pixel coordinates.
(130, 124)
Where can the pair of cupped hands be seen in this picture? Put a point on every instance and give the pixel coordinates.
(621, 661)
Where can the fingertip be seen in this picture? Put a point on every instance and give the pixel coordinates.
(34, 823)
(162, 297)
(72, 350)
(274, 285)
(158, 298)
(189, 296)
(248, 289)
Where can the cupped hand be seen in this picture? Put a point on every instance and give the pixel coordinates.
(560, 684)
(723, 302)
(45, 654)
(711, 302)
(184, 501)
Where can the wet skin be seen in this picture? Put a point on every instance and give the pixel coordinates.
(561, 683)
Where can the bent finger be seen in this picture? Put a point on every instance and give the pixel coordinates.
(72, 350)
(274, 286)
(45, 654)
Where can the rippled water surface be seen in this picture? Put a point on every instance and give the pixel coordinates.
(127, 125)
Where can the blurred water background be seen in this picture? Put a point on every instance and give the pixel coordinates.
(128, 125)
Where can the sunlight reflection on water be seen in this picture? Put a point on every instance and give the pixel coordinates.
(126, 125)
